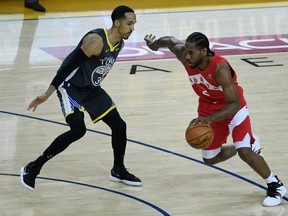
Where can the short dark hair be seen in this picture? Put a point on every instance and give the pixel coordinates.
(200, 41)
(119, 12)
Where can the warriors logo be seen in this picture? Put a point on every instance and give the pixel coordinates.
(99, 74)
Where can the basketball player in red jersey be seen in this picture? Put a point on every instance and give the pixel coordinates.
(221, 104)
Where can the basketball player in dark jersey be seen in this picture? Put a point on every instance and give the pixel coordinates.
(221, 104)
(77, 83)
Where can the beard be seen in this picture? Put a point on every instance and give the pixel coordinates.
(196, 63)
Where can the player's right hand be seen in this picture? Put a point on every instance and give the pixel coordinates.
(37, 101)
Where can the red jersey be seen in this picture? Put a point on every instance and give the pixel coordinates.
(211, 97)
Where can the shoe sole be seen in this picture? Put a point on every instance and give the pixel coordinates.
(115, 179)
(22, 180)
(271, 205)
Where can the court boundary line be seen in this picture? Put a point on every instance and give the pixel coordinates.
(99, 188)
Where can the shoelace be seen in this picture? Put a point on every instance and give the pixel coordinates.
(272, 190)
(32, 170)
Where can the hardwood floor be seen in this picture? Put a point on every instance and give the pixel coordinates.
(156, 102)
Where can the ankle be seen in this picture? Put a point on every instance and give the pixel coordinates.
(271, 179)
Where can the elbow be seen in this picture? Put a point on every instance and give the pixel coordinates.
(237, 106)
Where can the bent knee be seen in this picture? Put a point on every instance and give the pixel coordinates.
(78, 130)
(211, 161)
(246, 154)
(81, 132)
(119, 127)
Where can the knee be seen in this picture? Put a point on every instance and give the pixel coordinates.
(210, 162)
(123, 125)
(245, 154)
(120, 126)
(79, 131)
(77, 124)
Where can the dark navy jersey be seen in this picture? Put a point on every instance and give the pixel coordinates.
(94, 69)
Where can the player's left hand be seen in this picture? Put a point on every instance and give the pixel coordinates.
(151, 42)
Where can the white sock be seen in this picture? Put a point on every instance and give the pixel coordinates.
(271, 178)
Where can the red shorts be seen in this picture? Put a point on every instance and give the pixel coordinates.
(238, 126)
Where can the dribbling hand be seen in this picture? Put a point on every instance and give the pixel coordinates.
(200, 120)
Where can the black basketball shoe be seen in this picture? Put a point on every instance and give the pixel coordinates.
(28, 175)
(120, 174)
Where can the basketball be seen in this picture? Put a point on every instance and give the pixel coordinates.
(199, 136)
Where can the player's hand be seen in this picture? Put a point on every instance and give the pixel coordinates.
(151, 42)
(37, 101)
(199, 120)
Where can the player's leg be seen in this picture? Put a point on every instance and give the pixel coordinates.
(101, 107)
(77, 130)
(119, 140)
(244, 148)
(217, 152)
(225, 152)
(75, 120)
(245, 143)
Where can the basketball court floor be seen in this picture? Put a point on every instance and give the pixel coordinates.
(154, 97)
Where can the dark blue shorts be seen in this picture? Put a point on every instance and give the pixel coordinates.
(94, 100)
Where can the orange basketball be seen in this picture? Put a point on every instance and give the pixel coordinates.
(199, 136)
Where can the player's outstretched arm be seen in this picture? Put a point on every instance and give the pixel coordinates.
(176, 46)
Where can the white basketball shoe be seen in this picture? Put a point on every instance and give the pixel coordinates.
(275, 192)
